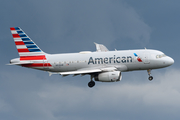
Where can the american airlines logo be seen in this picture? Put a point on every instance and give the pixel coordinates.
(109, 60)
(138, 58)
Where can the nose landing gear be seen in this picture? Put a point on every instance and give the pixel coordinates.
(149, 73)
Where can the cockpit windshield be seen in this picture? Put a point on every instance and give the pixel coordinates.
(160, 56)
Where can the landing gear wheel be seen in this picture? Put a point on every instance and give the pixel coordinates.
(91, 84)
(150, 78)
(149, 73)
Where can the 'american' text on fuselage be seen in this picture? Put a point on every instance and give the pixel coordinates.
(110, 60)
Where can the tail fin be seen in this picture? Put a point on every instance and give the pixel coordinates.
(24, 44)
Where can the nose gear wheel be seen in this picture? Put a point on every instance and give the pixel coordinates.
(149, 73)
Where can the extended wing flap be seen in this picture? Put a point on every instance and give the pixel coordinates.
(80, 72)
(87, 71)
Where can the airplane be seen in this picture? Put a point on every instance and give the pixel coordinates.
(102, 65)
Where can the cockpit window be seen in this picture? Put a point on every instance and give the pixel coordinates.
(160, 56)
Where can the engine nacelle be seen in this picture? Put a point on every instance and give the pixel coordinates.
(108, 76)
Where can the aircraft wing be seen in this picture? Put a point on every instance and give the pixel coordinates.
(87, 71)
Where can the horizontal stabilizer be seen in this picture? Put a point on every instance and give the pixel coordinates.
(21, 63)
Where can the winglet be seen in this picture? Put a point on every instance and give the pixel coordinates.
(51, 73)
(100, 48)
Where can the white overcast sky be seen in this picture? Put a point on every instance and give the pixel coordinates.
(63, 26)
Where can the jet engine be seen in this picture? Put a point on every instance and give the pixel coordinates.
(108, 76)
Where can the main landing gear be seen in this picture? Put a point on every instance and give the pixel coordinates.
(91, 83)
(149, 73)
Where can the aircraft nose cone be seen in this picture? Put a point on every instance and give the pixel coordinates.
(170, 61)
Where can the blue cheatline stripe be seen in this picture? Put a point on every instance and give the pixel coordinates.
(25, 39)
(27, 43)
(16, 28)
(135, 54)
(23, 35)
(32, 46)
(20, 32)
(34, 50)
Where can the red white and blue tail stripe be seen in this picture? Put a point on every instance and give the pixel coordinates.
(30, 54)
(24, 44)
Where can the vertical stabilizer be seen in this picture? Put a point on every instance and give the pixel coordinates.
(24, 44)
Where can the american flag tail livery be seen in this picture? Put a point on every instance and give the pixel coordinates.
(24, 44)
(30, 54)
